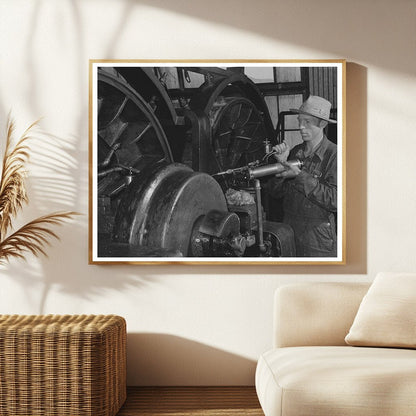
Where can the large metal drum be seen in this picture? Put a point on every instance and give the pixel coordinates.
(161, 210)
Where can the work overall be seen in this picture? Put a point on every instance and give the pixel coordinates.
(310, 201)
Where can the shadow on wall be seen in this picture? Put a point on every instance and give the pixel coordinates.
(356, 169)
(83, 287)
(161, 359)
(52, 186)
(59, 180)
(78, 82)
(355, 28)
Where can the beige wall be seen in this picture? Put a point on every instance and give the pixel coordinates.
(188, 324)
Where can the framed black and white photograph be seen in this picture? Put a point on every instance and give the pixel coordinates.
(206, 162)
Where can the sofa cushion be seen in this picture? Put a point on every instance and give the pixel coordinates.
(342, 381)
(387, 314)
(315, 313)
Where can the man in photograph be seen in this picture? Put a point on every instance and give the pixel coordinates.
(310, 192)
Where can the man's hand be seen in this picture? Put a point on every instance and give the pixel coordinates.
(282, 151)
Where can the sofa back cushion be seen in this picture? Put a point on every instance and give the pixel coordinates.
(387, 314)
(308, 314)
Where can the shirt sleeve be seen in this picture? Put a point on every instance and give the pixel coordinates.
(320, 190)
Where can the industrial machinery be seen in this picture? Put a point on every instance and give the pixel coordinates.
(179, 168)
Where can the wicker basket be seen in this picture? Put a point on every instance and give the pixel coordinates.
(71, 365)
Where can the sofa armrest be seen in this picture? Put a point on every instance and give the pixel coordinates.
(308, 314)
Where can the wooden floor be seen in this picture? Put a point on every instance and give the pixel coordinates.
(191, 401)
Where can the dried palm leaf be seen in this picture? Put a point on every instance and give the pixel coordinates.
(33, 237)
(12, 183)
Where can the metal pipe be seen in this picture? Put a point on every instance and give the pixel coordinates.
(257, 187)
(111, 170)
(142, 133)
(267, 146)
(110, 154)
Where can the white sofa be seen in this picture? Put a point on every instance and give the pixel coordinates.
(311, 371)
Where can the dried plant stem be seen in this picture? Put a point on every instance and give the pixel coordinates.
(34, 236)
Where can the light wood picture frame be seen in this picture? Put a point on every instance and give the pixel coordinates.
(208, 162)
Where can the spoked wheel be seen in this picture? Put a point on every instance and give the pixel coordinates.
(130, 140)
(127, 124)
(238, 132)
